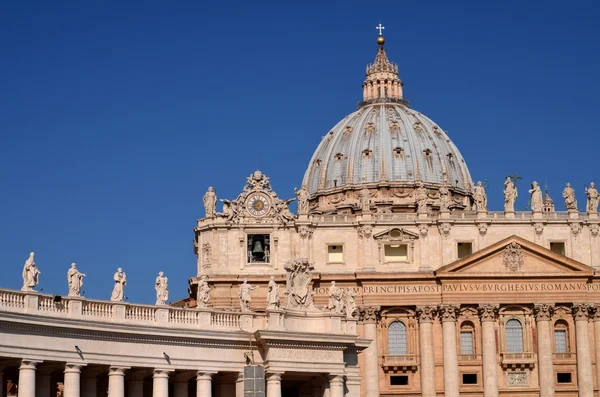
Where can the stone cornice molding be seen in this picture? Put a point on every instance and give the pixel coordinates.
(488, 312)
(425, 314)
(370, 314)
(543, 311)
(581, 311)
(448, 312)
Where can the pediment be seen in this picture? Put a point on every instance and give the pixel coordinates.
(515, 256)
(396, 234)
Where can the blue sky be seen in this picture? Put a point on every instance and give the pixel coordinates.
(115, 117)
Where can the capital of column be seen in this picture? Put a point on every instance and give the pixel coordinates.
(29, 364)
(543, 311)
(448, 312)
(274, 376)
(336, 379)
(204, 375)
(580, 311)
(117, 371)
(160, 373)
(426, 313)
(73, 368)
(595, 309)
(488, 312)
(370, 314)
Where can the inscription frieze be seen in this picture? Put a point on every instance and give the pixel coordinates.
(305, 355)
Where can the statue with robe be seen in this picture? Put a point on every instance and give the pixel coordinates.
(162, 289)
(31, 274)
(75, 280)
(510, 195)
(480, 197)
(302, 195)
(244, 295)
(272, 294)
(365, 200)
(350, 303)
(569, 196)
(118, 293)
(592, 198)
(210, 202)
(421, 197)
(537, 201)
(336, 295)
(203, 295)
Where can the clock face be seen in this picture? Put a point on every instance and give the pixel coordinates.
(258, 205)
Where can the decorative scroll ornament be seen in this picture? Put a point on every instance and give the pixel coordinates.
(575, 228)
(448, 312)
(423, 229)
(305, 231)
(426, 313)
(513, 257)
(369, 314)
(580, 311)
(594, 229)
(543, 311)
(517, 378)
(488, 312)
(483, 227)
(539, 228)
(445, 228)
(365, 231)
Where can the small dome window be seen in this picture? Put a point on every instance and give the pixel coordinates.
(398, 152)
(317, 162)
(339, 156)
(370, 128)
(348, 129)
(395, 126)
(367, 153)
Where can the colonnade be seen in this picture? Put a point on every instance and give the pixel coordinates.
(488, 315)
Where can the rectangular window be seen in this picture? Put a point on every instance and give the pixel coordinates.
(464, 249)
(563, 377)
(396, 253)
(335, 254)
(560, 341)
(469, 379)
(398, 380)
(259, 248)
(466, 342)
(558, 247)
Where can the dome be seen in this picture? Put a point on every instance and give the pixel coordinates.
(387, 147)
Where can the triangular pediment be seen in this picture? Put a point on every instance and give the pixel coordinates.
(396, 234)
(515, 256)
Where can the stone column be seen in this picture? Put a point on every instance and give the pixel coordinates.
(369, 316)
(274, 385)
(597, 340)
(448, 315)
(72, 380)
(160, 383)
(336, 386)
(488, 314)
(26, 385)
(239, 385)
(425, 315)
(584, 360)
(116, 382)
(543, 317)
(204, 384)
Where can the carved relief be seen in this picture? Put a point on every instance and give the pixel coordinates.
(512, 257)
(370, 128)
(423, 229)
(575, 228)
(516, 378)
(370, 314)
(336, 198)
(538, 227)
(305, 231)
(364, 231)
(580, 311)
(206, 254)
(426, 314)
(543, 311)
(448, 312)
(594, 229)
(445, 228)
(298, 288)
(488, 312)
(483, 227)
(400, 192)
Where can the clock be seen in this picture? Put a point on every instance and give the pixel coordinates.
(258, 205)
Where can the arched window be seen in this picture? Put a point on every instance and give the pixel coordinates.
(514, 336)
(467, 346)
(561, 344)
(397, 338)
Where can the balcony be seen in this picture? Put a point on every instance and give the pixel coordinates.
(564, 358)
(400, 362)
(518, 360)
(469, 359)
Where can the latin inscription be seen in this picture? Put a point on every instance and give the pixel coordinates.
(303, 355)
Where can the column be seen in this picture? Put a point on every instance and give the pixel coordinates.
(204, 384)
(26, 385)
(72, 380)
(160, 383)
(181, 388)
(239, 385)
(597, 340)
(369, 317)
(116, 382)
(336, 386)
(584, 359)
(448, 315)
(543, 317)
(274, 385)
(425, 315)
(488, 314)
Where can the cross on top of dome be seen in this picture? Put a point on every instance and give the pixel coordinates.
(380, 28)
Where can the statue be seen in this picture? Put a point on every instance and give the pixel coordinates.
(31, 274)
(537, 201)
(118, 293)
(210, 202)
(284, 214)
(75, 280)
(272, 294)
(229, 209)
(510, 195)
(257, 181)
(569, 196)
(203, 294)
(162, 289)
(336, 295)
(299, 276)
(421, 198)
(244, 294)
(592, 198)
(480, 197)
(350, 303)
(444, 197)
(365, 200)
(302, 196)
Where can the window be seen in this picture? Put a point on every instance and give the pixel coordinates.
(399, 380)
(466, 342)
(514, 336)
(464, 249)
(563, 377)
(558, 247)
(397, 339)
(396, 253)
(469, 379)
(561, 344)
(335, 254)
(259, 248)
